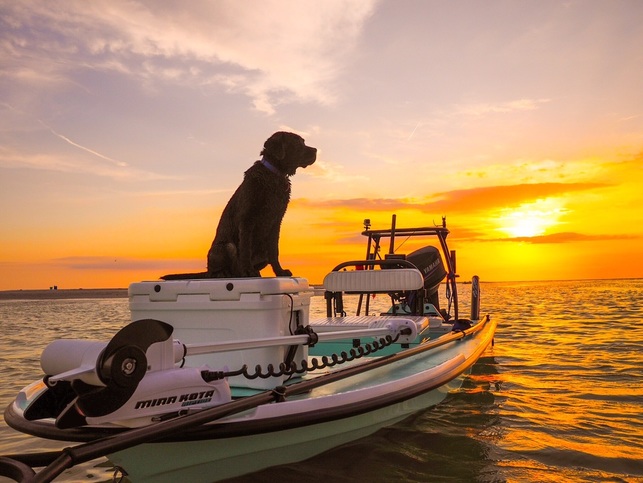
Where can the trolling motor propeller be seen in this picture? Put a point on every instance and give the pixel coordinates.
(106, 378)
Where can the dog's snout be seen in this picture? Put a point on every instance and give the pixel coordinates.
(313, 155)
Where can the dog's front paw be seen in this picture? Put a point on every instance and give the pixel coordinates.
(284, 272)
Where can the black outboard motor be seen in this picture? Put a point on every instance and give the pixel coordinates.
(429, 262)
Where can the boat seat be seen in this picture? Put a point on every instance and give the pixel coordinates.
(374, 281)
(332, 324)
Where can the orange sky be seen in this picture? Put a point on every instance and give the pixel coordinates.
(124, 131)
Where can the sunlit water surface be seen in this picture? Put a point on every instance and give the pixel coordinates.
(558, 398)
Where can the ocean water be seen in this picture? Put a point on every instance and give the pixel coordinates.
(559, 397)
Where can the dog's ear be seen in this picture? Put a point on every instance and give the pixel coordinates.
(275, 146)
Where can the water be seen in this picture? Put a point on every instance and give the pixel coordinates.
(558, 398)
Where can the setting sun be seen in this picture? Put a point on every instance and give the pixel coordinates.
(531, 219)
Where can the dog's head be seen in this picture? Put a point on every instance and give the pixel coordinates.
(287, 151)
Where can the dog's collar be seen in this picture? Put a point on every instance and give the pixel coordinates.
(268, 165)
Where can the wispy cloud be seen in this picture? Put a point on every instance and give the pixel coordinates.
(413, 132)
(74, 164)
(248, 47)
(119, 263)
(332, 172)
(84, 160)
(90, 151)
(565, 237)
(373, 204)
(480, 109)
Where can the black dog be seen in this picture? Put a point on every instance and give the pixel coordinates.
(247, 238)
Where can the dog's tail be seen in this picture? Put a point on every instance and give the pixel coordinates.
(186, 276)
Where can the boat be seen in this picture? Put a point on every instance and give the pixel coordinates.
(216, 378)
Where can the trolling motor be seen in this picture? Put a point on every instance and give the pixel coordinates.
(130, 380)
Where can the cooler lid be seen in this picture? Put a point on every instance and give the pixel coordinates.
(218, 288)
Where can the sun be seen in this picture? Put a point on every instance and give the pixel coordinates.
(523, 225)
(530, 219)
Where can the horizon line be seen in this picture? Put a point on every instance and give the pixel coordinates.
(466, 282)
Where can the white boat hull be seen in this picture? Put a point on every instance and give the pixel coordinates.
(304, 425)
(218, 459)
(228, 456)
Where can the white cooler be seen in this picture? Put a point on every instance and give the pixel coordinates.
(214, 310)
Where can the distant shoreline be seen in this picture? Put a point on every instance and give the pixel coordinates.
(104, 293)
(78, 293)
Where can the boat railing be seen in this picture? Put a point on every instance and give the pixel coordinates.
(401, 329)
(375, 238)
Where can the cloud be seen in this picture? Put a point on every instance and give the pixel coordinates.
(481, 109)
(76, 145)
(81, 163)
(483, 198)
(333, 173)
(467, 200)
(373, 204)
(564, 237)
(249, 47)
(118, 263)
